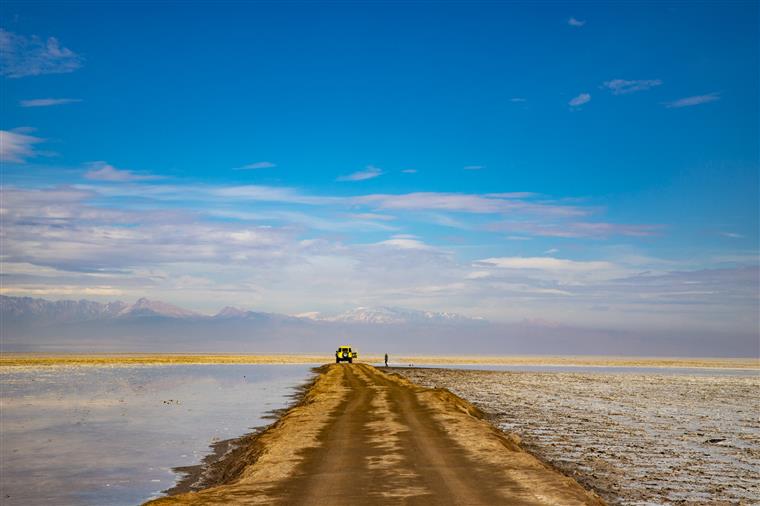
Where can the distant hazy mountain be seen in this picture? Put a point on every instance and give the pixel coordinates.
(21, 308)
(27, 308)
(231, 312)
(395, 315)
(145, 307)
(83, 326)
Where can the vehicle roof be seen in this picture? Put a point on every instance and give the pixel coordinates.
(344, 346)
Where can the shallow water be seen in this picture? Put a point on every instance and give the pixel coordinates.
(111, 435)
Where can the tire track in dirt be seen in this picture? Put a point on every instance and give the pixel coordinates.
(328, 474)
(443, 465)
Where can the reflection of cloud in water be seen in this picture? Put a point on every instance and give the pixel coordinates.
(104, 435)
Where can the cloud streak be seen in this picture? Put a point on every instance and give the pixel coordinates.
(22, 56)
(581, 99)
(102, 171)
(257, 165)
(692, 101)
(370, 172)
(519, 214)
(545, 264)
(578, 229)
(17, 147)
(623, 86)
(47, 102)
(466, 203)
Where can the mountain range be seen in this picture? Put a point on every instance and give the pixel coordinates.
(82, 326)
(69, 311)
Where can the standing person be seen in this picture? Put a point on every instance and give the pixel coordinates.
(386, 360)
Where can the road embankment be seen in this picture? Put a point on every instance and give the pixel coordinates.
(361, 436)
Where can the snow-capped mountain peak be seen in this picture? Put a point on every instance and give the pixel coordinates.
(146, 307)
(231, 312)
(389, 315)
(19, 308)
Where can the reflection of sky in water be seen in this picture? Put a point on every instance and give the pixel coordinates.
(105, 435)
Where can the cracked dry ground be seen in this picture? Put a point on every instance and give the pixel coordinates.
(361, 436)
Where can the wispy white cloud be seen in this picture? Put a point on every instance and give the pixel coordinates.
(732, 235)
(580, 100)
(47, 102)
(102, 171)
(253, 193)
(464, 202)
(257, 165)
(473, 167)
(371, 216)
(214, 194)
(575, 22)
(402, 241)
(369, 173)
(578, 229)
(444, 220)
(514, 203)
(22, 56)
(16, 146)
(307, 221)
(518, 100)
(66, 290)
(72, 234)
(623, 86)
(512, 195)
(545, 263)
(409, 171)
(691, 101)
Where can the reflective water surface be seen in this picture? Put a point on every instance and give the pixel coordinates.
(111, 435)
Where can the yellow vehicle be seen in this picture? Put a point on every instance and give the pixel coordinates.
(344, 354)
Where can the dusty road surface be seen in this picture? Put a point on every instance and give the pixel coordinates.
(361, 436)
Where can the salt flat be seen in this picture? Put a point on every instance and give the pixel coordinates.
(632, 438)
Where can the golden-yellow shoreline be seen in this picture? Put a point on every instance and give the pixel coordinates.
(31, 359)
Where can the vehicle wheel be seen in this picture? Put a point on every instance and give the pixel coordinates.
(350, 360)
(337, 360)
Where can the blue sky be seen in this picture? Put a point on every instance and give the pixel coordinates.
(575, 163)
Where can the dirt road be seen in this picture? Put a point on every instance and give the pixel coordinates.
(361, 436)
